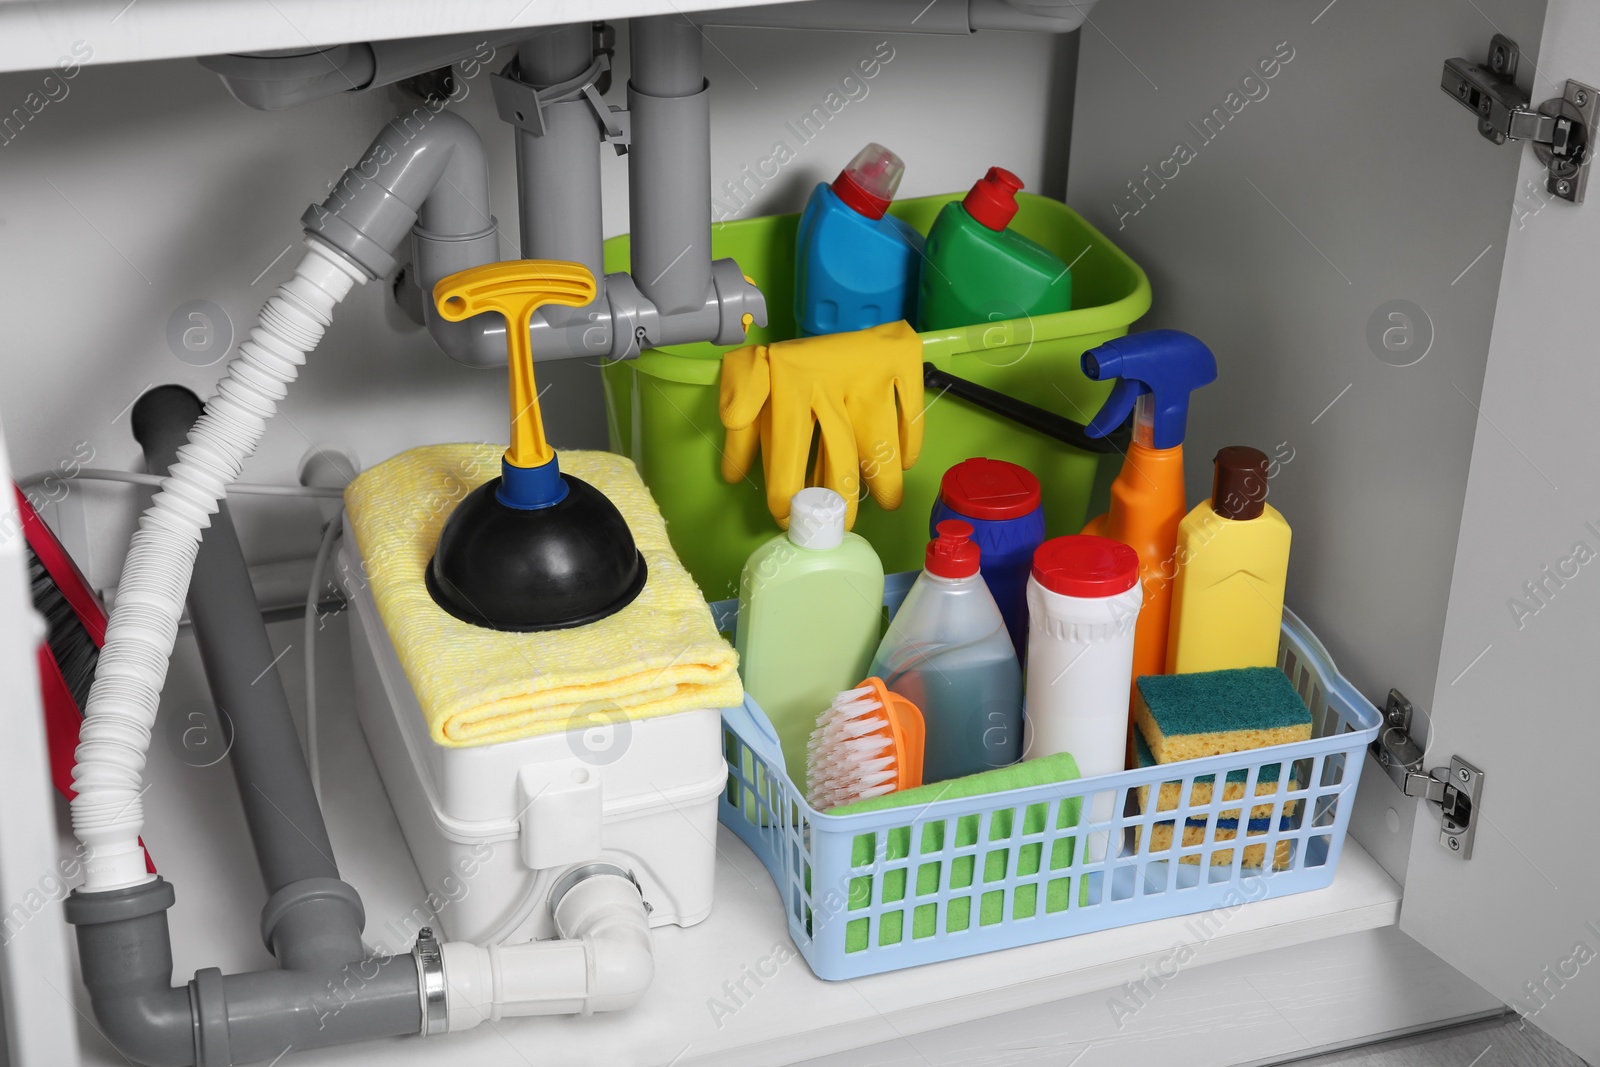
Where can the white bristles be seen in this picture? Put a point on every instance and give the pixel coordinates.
(847, 760)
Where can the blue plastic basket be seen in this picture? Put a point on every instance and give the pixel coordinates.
(889, 889)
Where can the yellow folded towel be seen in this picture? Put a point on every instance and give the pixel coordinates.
(659, 655)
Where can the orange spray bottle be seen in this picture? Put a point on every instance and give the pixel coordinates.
(1155, 372)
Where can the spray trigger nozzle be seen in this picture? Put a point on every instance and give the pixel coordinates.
(1165, 365)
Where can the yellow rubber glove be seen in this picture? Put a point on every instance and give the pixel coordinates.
(862, 389)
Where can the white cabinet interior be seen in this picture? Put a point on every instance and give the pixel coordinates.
(1290, 176)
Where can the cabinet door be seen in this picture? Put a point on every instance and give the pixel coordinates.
(1522, 630)
(1334, 232)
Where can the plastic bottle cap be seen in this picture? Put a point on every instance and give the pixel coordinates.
(953, 554)
(993, 200)
(1239, 490)
(989, 489)
(869, 182)
(816, 518)
(1083, 565)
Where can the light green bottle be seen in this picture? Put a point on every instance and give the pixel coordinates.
(810, 605)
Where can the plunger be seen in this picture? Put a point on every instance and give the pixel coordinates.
(534, 549)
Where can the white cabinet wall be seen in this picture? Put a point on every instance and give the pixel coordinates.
(1325, 179)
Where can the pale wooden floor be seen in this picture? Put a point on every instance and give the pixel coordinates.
(1503, 1042)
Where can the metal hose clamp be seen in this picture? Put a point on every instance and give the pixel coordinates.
(430, 982)
(590, 870)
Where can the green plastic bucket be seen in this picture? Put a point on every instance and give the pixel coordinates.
(662, 406)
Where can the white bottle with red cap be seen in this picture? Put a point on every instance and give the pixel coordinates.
(1083, 602)
(947, 651)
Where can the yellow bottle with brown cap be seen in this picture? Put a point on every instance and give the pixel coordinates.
(1233, 557)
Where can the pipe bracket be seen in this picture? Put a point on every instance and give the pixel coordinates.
(522, 105)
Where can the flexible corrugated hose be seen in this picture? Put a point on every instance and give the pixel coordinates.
(108, 811)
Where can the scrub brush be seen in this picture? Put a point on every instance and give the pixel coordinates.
(867, 744)
(75, 630)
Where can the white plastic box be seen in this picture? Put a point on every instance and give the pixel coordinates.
(493, 827)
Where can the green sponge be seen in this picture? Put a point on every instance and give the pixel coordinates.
(1209, 713)
(1058, 768)
(1003, 826)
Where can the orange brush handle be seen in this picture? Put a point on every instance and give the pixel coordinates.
(906, 729)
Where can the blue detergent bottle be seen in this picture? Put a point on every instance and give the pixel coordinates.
(856, 266)
(1002, 503)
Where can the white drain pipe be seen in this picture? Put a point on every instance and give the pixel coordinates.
(604, 959)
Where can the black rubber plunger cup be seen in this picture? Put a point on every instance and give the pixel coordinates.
(534, 549)
(508, 568)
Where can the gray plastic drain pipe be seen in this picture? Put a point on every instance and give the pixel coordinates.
(326, 992)
(669, 164)
(282, 79)
(312, 919)
(426, 174)
(961, 17)
(690, 297)
(272, 81)
(216, 1020)
(558, 179)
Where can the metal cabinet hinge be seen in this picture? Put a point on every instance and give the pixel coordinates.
(1456, 789)
(1562, 129)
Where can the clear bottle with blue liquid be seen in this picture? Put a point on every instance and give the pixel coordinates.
(856, 266)
(947, 651)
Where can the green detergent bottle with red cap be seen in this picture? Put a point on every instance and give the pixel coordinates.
(976, 269)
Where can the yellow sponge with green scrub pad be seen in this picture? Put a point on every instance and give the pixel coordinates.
(1232, 786)
(1194, 833)
(1210, 713)
(966, 873)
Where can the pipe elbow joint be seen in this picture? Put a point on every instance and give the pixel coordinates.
(425, 168)
(622, 961)
(476, 342)
(154, 1028)
(603, 960)
(606, 913)
(479, 341)
(125, 954)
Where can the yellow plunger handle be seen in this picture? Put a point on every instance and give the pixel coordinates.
(516, 289)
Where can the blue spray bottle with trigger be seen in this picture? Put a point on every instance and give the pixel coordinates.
(855, 265)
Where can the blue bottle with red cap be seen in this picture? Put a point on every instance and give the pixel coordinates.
(1001, 501)
(855, 265)
(947, 651)
(979, 270)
